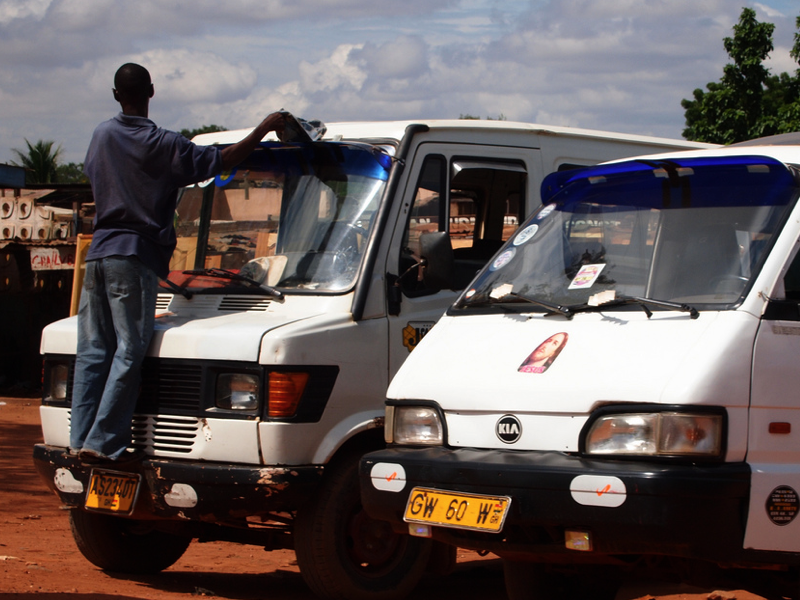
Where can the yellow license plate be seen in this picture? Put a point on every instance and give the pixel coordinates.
(456, 509)
(112, 491)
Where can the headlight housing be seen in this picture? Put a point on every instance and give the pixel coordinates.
(665, 433)
(414, 426)
(237, 391)
(58, 382)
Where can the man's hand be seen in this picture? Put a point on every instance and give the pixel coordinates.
(233, 155)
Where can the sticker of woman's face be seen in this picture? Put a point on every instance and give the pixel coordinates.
(540, 359)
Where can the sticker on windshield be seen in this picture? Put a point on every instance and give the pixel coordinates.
(586, 277)
(545, 354)
(223, 179)
(502, 260)
(545, 211)
(501, 291)
(526, 234)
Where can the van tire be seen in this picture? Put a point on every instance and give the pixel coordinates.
(334, 555)
(125, 545)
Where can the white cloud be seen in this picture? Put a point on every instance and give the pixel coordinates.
(402, 58)
(187, 77)
(13, 10)
(337, 72)
(609, 64)
(768, 10)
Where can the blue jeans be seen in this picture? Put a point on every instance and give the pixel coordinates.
(116, 317)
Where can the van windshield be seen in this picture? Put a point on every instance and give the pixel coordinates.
(292, 216)
(688, 232)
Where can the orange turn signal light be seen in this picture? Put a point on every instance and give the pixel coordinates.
(284, 393)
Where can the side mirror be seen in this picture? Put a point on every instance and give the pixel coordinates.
(437, 262)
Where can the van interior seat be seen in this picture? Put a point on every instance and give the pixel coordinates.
(697, 259)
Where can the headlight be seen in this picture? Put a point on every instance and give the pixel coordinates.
(414, 425)
(237, 391)
(656, 434)
(59, 376)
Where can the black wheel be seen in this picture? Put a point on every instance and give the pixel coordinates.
(125, 545)
(343, 554)
(532, 581)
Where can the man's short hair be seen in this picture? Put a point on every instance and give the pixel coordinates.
(132, 81)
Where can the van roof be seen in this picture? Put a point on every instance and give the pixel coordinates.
(784, 148)
(394, 130)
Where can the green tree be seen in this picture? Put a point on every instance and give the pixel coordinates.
(40, 161)
(789, 109)
(748, 102)
(469, 117)
(190, 133)
(71, 173)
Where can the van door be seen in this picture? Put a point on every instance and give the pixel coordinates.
(478, 195)
(774, 428)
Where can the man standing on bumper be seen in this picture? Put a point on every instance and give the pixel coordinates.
(135, 169)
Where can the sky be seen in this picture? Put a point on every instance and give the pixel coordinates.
(615, 65)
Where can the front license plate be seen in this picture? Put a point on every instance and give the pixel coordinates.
(457, 509)
(112, 491)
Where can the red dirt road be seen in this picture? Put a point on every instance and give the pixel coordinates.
(38, 555)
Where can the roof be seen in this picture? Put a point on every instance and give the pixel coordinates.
(394, 130)
(783, 139)
(784, 148)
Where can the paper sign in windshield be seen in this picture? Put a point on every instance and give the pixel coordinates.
(586, 277)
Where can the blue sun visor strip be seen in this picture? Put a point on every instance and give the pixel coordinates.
(327, 158)
(677, 182)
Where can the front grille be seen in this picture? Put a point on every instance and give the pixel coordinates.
(248, 303)
(213, 303)
(169, 386)
(175, 401)
(165, 434)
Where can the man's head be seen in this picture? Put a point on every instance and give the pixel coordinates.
(132, 85)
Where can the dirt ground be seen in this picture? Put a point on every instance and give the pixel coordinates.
(38, 556)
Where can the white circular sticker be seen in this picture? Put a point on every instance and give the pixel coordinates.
(598, 490)
(526, 234)
(388, 477)
(502, 260)
(545, 211)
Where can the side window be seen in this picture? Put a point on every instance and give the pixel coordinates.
(791, 281)
(478, 202)
(427, 213)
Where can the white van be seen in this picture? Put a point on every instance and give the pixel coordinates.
(300, 283)
(621, 382)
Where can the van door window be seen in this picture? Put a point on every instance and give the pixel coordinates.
(478, 202)
(791, 281)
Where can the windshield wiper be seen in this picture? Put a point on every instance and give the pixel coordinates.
(564, 311)
(645, 303)
(177, 289)
(225, 274)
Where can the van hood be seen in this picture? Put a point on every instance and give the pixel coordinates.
(212, 327)
(235, 337)
(485, 363)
